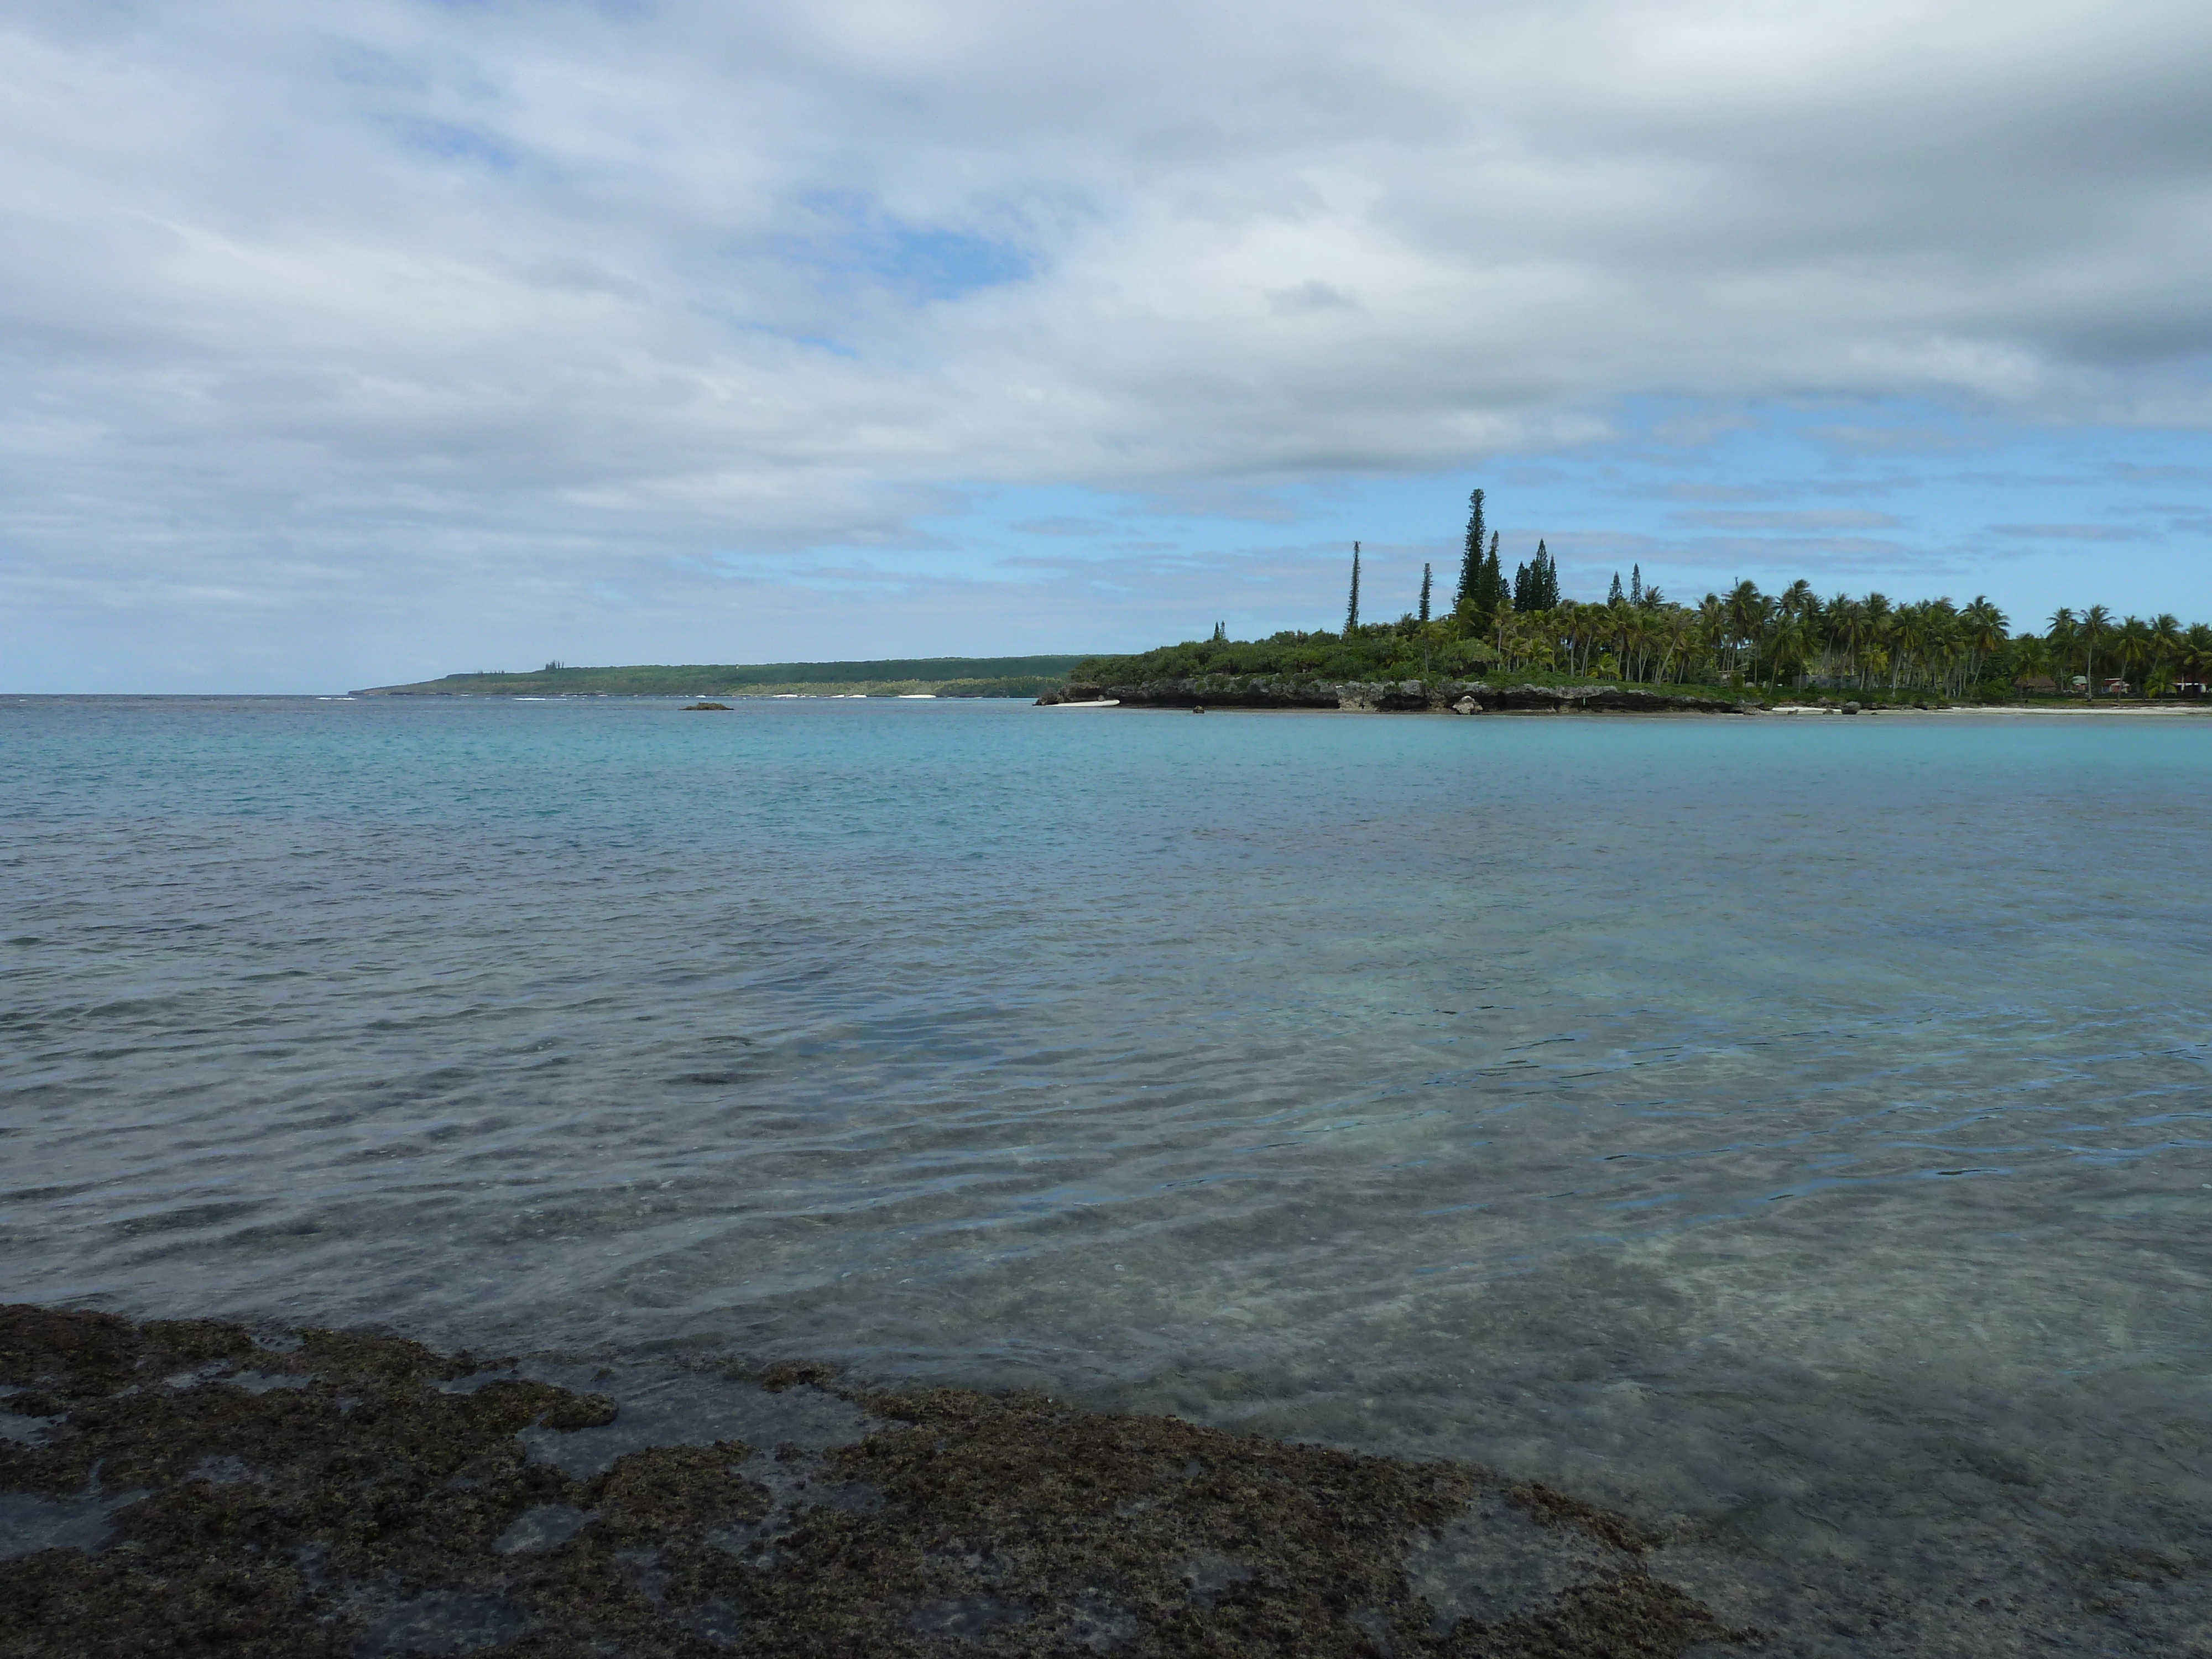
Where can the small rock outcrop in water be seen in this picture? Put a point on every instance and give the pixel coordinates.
(1392, 697)
(188, 1486)
(703, 708)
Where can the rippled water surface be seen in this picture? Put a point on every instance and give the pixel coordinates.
(1798, 1126)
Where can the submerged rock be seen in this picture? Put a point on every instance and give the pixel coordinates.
(704, 707)
(404, 1501)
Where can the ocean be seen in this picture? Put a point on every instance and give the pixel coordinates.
(1794, 1133)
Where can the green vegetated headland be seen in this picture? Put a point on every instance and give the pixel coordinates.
(1868, 646)
(943, 676)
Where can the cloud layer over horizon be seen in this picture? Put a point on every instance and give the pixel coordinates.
(369, 336)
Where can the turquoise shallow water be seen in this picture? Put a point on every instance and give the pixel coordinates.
(1799, 1126)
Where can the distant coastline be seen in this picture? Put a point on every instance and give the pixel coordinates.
(1024, 677)
(1504, 695)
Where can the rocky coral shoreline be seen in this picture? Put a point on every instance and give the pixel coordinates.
(194, 1486)
(1392, 697)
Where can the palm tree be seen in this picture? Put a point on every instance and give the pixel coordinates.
(2165, 641)
(1565, 627)
(1712, 624)
(1908, 633)
(1680, 625)
(1538, 647)
(1589, 624)
(2065, 639)
(1787, 644)
(1627, 639)
(1846, 629)
(2194, 656)
(1878, 615)
(2134, 642)
(2096, 624)
(1650, 643)
(1941, 640)
(1982, 633)
(1746, 614)
(2031, 658)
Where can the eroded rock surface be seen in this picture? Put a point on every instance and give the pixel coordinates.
(190, 1488)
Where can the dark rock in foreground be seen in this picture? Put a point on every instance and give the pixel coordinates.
(189, 1487)
(1392, 697)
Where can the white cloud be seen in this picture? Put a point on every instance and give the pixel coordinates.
(301, 303)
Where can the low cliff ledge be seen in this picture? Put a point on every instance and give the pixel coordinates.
(1392, 697)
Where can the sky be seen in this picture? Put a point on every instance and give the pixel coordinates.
(365, 342)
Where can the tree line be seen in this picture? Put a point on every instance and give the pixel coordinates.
(1519, 623)
(1795, 637)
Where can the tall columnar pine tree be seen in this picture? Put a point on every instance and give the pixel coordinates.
(1636, 584)
(1470, 567)
(1489, 590)
(1616, 596)
(1351, 610)
(1536, 584)
(1541, 591)
(1426, 579)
